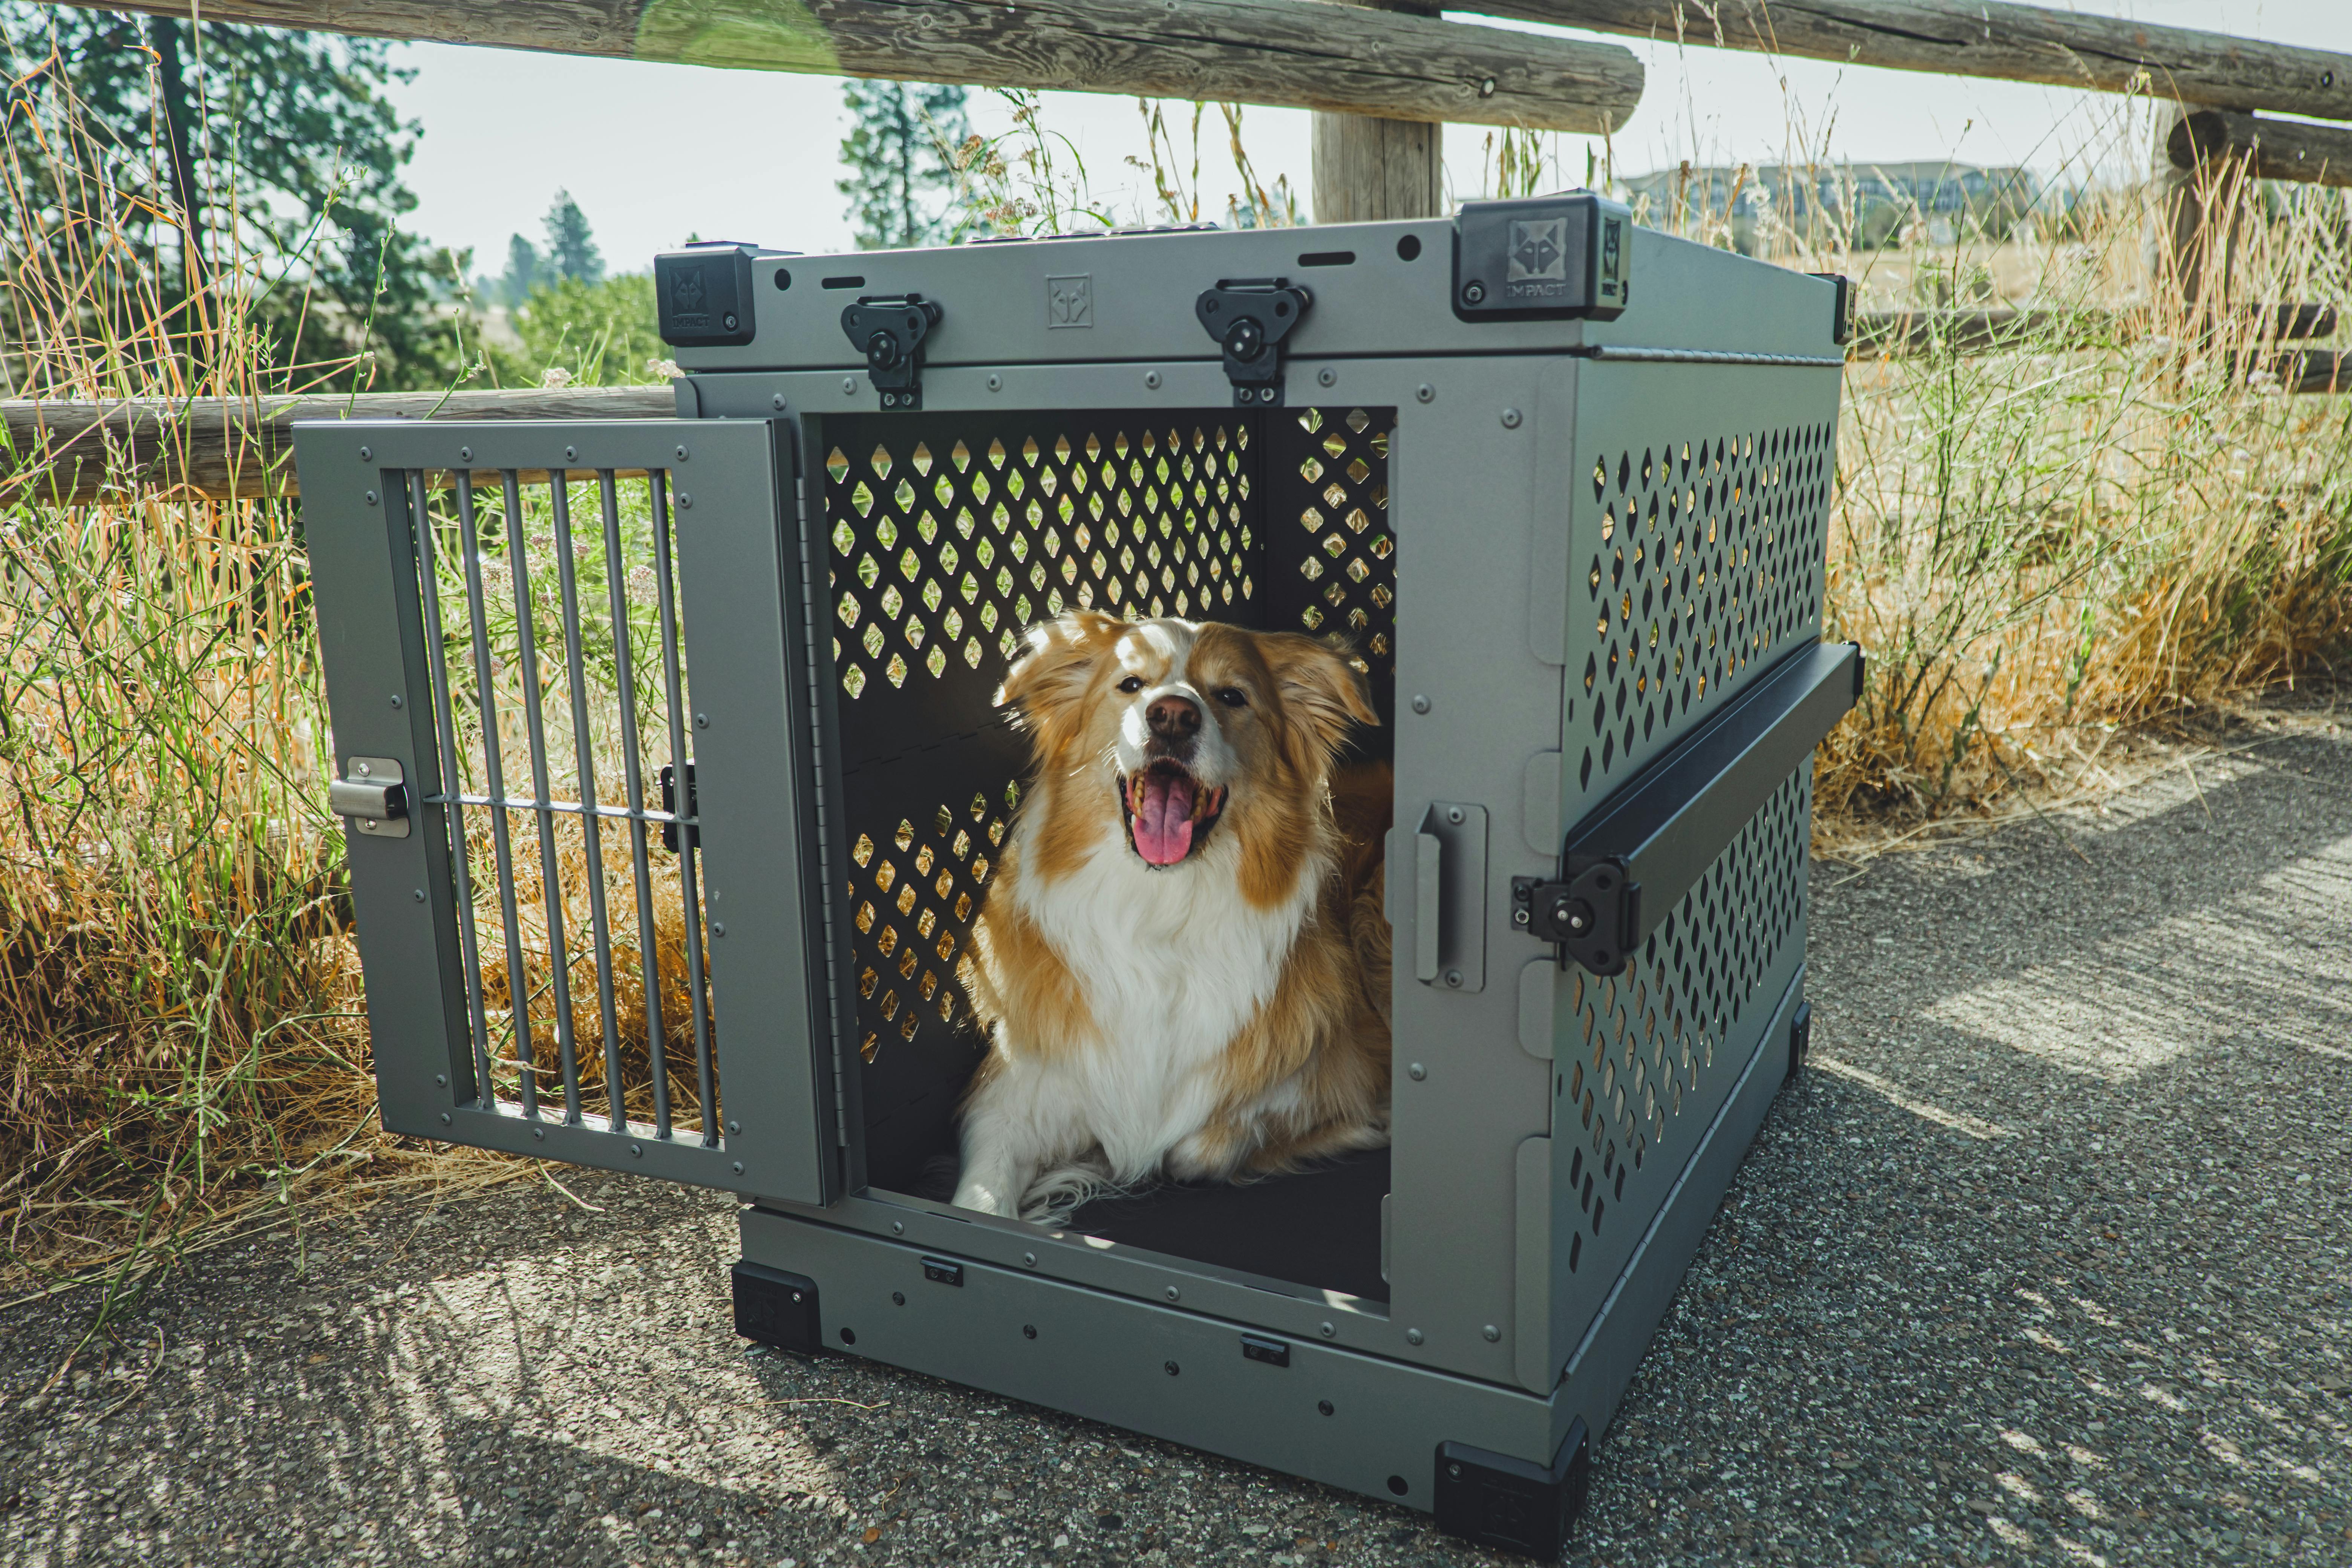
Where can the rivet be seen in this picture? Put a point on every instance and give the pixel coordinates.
(369, 497)
(702, 720)
(439, 1079)
(1329, 1330)
(684, 500)
(1426, 392)
(777, 402)
(1454, 978)
(1510, 418)
(681, 453)
(1412, 1336)
(419, 896)
(1151, 379)
(1420, 704)
(365, 453)
(465, 454)
(1416, 1072)
(365, 769)
(1327, 375)
(1324, 1405)
(444, 1119)
(729, 322)
(1454, 814)
(995, 383)
(1492, 1333)
(739, 1167)
(1172, 1368)
(1029, 1332)
(897, 1298)
(1174, 1294)
(849, 384)
(396, 700)
(1029, 1260)
(897, 1228)
(1472, 292)
(718, 928)
(570, 454)
(734, 1130)
(637, 1150)
(540, 1134)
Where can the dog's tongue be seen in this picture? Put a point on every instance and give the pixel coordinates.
(1163, 822)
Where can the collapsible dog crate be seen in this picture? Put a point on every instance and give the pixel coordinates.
(717, 689)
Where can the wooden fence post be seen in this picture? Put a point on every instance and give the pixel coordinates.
(2204, 193)
(1369, 170)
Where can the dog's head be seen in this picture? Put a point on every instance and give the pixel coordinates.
(1171, 730)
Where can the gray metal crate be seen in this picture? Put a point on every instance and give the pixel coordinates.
(722, 697)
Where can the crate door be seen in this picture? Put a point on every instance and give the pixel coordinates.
(571, 648)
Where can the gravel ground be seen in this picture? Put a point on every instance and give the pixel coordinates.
(2046, 1261)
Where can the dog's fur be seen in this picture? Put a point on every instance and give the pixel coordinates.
(1220, 1013)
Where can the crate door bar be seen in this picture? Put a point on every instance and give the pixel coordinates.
(559, 950)
(688, 823)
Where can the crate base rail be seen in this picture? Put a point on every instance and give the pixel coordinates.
(1626, 865)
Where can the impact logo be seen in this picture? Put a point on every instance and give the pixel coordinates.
(1538, 263)
(1070, 301)
(686, 291)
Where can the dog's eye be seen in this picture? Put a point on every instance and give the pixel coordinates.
(1132, 683)
(1232, 697)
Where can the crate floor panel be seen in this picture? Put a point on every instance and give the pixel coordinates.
(1318, 1227)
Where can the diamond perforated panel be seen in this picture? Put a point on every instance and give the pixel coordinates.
(1708, 568)
(1328, 516)
(1650, 1065)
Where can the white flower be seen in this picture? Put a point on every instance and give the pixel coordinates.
(664, 368)
(554, 375)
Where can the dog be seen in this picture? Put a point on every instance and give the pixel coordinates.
(1182, 965)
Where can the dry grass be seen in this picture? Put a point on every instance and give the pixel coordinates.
(2037, 545)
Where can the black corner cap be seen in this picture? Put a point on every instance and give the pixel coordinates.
(1492, 1500)
(703, 296)
(1800, 1039)
(1842, 308)
(777, 1309)
(1550, 257)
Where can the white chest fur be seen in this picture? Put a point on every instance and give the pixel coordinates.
(1174, 963)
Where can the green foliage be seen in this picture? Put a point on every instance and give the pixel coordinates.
(588, 334)
(899, 159)
(572, 252)
(233, 158)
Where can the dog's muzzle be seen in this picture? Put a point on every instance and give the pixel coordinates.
(1169, 812)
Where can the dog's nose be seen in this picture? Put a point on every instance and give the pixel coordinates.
(1173, 718)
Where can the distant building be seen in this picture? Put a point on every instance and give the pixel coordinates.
(1873, 203)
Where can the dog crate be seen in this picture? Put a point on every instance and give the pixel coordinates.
(672, 783)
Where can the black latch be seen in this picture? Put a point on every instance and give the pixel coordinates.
(1249, 317)
(889, 329)
(1257, 1347)
(669, 804)
(940, 1271)
(1594, 915)
(1841, 307)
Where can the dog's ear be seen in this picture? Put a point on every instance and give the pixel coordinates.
(1055, 663)
(1319, 685)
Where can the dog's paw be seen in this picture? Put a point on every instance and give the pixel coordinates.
(978, 1197)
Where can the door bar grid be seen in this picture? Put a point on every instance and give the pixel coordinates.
(496, 800)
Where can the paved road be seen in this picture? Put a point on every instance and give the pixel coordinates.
(2048, 1261)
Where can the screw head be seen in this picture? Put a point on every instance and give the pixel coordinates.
(1510, 418)
(369, 496)
(1454, 978)
(1412, 1336)
(849, 384)
(1519, 916)
(1028, 1330)
(1327, 1329)
(637, 1151)
(1454, 814)
(1487, 86)
(1326, 376)
(465, 454)
(739, 1167)
(718, 928)
(734, 1130)
(729, 322)
(702, 720)
(897, 1228)
(1492, 1333)
(1324, 1405)
(1174, 1294)
(1416, 1072)
(570, 454)
(681, 453)
(777, 402)
(1425, 393)
(685, 502)
(367, 452)
(1472, 292)
(396, 700)
(897, 1298)
(441, 1079)
(995, 383)
(1029, 1260)
(364, 769)
(1420, 704)
(444, 1119)
(1151, 379)
(540, 1134)
(1172, 1368)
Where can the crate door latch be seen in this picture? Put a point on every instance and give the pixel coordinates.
(1249, 317)
(889, 329)
(373, 796)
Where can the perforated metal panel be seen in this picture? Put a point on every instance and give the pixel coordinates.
(1703, 565)
(1327, 509)
(1651, 1049)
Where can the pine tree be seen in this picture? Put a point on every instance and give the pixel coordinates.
(526, 269)
(571, 249)
(899, 161)
(241, 149)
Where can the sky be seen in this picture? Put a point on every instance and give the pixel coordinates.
(653, 153)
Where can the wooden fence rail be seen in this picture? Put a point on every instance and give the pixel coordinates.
(1282, 52)
(1985, 39)
(67, 453)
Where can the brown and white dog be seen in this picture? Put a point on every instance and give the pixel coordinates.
(1182, 963)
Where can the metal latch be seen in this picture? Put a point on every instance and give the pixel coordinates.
(889, 329)
(1249, 317)
(374, 797)
(1594, 915)
(669, 834)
